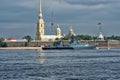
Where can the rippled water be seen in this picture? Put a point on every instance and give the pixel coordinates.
(60, 65)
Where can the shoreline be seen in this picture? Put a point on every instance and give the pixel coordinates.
(40, 48)
(20, 48)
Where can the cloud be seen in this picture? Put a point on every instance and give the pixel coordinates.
(81, 14)
(88, 2)
(80, 4)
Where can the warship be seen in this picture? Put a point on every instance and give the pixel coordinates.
(74, 44)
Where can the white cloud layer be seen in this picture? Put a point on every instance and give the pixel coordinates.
(83, 15)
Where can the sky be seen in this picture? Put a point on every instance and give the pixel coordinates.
(18, 18)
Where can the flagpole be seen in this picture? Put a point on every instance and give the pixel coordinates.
(100, 26)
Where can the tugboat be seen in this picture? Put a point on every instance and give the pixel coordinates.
(74, 44)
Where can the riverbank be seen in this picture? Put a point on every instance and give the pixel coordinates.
(20, 48)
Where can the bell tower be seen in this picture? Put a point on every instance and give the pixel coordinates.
(70, 31)
(40, 25)
(100, 37)
(58, 31)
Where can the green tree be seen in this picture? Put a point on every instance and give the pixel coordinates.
(2, 39)
(3, 44)
(28, 38)
(26, 44)
(113, 37)
(84, 37)
(66, 38)
(57, 39)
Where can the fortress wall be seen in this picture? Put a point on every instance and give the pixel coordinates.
(100, 44)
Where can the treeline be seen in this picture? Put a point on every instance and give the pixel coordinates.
(80, 37)
(2, 44)
(113, 37)
(85, 37)
(88, 37)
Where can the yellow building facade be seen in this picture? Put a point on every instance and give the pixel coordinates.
(40, 32)
(40, 25)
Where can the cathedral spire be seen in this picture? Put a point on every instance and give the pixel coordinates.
(70, 31)
(40, 6)
(100, 37)
(40, 24)
(40, 14)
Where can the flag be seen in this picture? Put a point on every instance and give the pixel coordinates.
(99, 23)
(52, 23)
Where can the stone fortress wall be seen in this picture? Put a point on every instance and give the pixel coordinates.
(100, 44)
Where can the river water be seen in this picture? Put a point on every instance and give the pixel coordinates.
(60, 65)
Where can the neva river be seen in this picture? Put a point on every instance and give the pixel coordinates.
(60, 65)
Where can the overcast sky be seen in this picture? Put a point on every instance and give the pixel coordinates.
(19, 17)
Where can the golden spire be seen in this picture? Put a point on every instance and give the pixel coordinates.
(40, 6)
(40, 14)
(40, 24)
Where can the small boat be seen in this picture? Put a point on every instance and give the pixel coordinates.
(74, 44)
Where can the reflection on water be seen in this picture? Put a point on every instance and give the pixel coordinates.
(60, 65)
(41, 57)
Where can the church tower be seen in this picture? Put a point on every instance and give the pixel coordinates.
(58, 31)
(70, 31)
(100, 37)
(40, 25)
